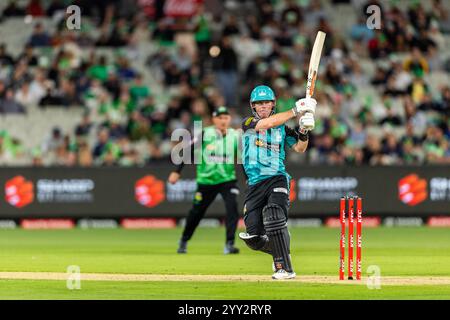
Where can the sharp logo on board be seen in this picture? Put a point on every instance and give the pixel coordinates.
(19, 192)
(412, 190)
(65, 190)
(183, 190)
(325, 188)
(149, 191)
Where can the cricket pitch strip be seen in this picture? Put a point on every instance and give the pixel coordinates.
(384, 280)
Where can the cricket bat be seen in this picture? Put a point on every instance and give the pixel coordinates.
(314, 63)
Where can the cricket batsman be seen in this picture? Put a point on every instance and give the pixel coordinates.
(216, 174)
(266, 205)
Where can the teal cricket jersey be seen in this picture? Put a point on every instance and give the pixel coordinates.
(263, 151)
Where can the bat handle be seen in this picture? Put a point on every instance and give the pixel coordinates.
(308, 95)
(307, 113)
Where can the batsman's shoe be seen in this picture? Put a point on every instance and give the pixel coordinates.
(244, 235)
(283, 274)
(230, 249)
(182, 247)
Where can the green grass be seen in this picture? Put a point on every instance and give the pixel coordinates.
(397, 251)
(40, 289)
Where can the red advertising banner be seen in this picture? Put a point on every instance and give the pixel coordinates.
(148, 7)
(181, 8)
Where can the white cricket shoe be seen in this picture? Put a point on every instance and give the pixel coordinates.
(246, 236)
(283, 274)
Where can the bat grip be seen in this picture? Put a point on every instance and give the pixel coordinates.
(308, 95)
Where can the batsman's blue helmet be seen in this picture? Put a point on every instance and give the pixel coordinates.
(262, 93)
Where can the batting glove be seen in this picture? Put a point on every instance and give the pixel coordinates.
(306, 122)
(305, 105)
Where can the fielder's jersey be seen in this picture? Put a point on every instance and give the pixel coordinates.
(217, 154)
(263, 151)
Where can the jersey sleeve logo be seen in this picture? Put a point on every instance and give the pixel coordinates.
(248, 121)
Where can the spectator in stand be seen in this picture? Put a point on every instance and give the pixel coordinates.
(13, 10)
(231, 27)
(54, 141)
(138, 90)
(54, 7)
(125, 71)
(84, 155)
(138, 127)
(416, 63)
(226, 67)
(379, 46)
(10, 148)
(25, 96)
(182, 59)
(418, 89)
(116, 131)
(103, 138)
(39, 85)
(9, 105)
(360, 32)
(5, 58)
(100, 70)
(83, 129)
(372, 152)
(2, 89)
(39, 37)
(35, 9)
(391, 118)
(29, 56)
(118, 36)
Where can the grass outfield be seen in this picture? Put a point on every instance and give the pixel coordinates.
(401, 252)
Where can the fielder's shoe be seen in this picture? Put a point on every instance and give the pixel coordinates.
(283, 274)
(230, 249)
(182, 247)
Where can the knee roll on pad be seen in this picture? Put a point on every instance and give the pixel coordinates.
(275, 224)
(274, 218)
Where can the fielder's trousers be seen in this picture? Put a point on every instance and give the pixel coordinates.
(203, 198)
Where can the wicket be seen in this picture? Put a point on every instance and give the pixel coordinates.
(348, 205)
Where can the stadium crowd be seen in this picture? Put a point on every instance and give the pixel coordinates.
(378, 100)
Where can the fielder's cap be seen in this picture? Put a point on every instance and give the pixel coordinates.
(220, 110)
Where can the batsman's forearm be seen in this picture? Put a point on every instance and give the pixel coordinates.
(301, 146)
(275, 120)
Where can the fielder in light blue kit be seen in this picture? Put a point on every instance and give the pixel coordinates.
(266, 205)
